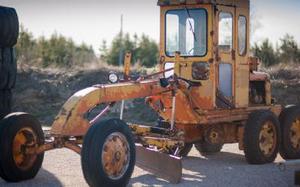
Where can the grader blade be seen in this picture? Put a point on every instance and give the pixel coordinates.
(161, 165)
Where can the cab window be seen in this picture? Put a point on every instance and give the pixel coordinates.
(242, 35)
(225, 31)
(186, 32)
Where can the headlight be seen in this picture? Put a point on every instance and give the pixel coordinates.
(113, 77)
(200, 71)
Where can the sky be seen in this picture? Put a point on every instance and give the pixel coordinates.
(92, 21)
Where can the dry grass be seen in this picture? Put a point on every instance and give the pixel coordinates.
(283, 71)
(95, 65)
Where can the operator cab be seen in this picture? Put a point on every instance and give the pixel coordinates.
(212, 39)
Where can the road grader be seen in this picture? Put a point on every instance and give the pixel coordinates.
(207, 93)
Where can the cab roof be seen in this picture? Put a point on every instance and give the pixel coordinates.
(233, 3)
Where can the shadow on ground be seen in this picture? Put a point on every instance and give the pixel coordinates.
(43, 179)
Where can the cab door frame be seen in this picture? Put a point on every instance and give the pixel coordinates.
(242, 66)
(225, 58)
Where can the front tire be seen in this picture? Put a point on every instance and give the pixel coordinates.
(108, 154)
(261, 137)
(290, 128)
(18, 131)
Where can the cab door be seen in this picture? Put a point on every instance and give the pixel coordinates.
(242, 54)
(225, 19)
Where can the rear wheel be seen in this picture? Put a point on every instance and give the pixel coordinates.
(8, 68)
(9, 29)
(261, 137)
(19, 131)
(108, 154)
(290, 128)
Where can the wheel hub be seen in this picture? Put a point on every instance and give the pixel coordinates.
(24, 138)
(115, 155)
(295, 134)
(215, 136)
(267, 138)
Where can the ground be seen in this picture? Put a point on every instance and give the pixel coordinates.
(228, 168)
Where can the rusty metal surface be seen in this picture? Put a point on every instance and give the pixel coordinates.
(259, 76)
(236, 3)
(127, 63)
(161, 165)
(71, 121)
(163, 144)
(25, 137)
(239, 114)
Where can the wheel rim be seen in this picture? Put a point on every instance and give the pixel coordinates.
(115, 155)
(24, 138)
(295, 134)
(268, 138)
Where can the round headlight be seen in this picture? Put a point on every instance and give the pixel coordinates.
(113, 77)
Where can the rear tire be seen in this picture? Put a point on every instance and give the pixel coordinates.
(290, 128)
(261, 137)
(17, 131)
(206, 148)
(104, 138)
(8, 68)
(9, 29)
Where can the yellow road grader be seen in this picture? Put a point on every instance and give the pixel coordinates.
(207, 93)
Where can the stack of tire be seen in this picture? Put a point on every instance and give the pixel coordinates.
(9, 32)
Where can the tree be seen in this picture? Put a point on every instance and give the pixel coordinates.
(144, 50)
(289, 51)
(119, 44)
(147, 52)
(26, 45)
(103, 50)
(266, 53)
(58, 50)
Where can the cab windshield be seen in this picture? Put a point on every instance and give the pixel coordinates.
(186, 32)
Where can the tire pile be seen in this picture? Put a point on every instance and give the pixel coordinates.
(9, 32)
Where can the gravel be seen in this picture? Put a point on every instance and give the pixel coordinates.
(228, 168)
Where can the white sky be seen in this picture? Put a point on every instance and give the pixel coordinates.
(91, 21)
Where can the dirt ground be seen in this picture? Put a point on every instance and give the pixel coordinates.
(228, 168)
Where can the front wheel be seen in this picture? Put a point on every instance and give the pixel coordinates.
(108, 154)
(261, 137)
(19, 131)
